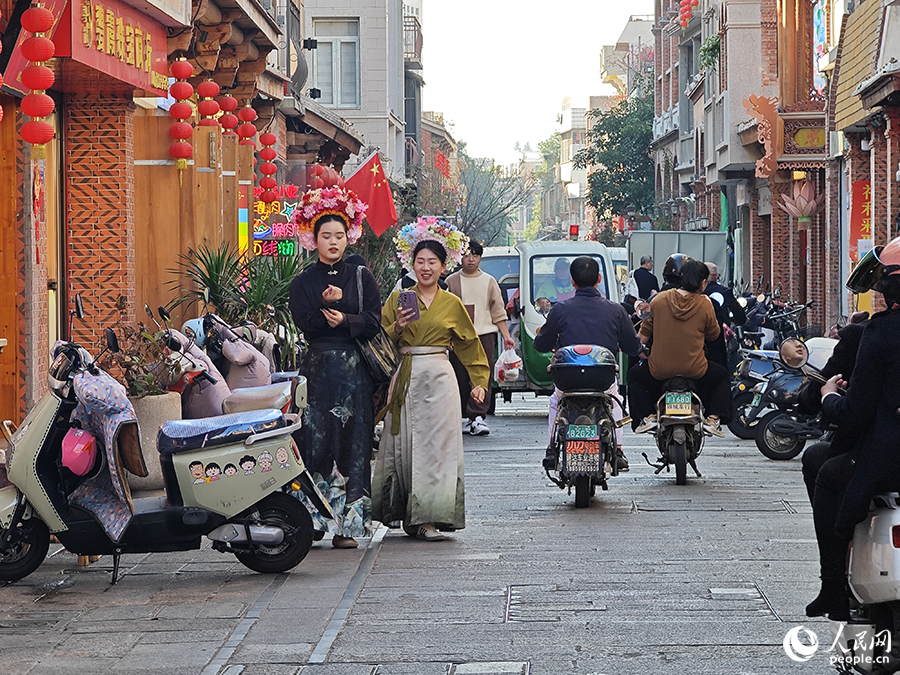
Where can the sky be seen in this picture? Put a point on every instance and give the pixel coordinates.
(498, 70)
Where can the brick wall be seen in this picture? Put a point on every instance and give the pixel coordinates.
(100, 202)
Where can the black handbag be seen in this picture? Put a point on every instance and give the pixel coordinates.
(379, 352)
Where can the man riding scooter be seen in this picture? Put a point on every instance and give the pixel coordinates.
(846, 484)
(588, 318)
(682, 318)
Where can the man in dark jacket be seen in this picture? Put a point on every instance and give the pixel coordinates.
(647, 283)
(846, 484)
(728, 311)
(588, 318)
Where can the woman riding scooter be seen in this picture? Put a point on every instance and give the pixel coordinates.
(846, 484)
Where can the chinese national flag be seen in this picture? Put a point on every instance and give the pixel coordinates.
(370, 184)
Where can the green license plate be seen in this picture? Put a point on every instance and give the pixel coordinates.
(678, 404)
(588, 432)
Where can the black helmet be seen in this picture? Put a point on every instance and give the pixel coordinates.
(673, 268)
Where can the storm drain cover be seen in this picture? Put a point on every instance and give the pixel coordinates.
(551, 603)
(490, 668)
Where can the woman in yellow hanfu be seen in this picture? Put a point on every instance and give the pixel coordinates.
(418, 476)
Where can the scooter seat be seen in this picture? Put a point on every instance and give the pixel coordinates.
(207, 432)
(258, 398)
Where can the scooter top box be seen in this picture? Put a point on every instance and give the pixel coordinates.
(583, 368)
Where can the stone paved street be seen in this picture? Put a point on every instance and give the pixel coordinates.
(652, 578)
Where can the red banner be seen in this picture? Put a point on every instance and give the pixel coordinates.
(860, 219)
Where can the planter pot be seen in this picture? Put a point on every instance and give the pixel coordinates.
(152, 412)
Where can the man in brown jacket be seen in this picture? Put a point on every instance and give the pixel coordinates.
(681, 320)
(481, 295)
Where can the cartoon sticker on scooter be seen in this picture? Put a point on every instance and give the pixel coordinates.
(212, 472)
(229, 470)
(281, 456)
(247, 463)
(265, 461)
(197, 472)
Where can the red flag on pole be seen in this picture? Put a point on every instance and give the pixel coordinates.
(370, 183)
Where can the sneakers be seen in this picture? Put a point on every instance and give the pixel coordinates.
(428, 532)
(344, 542)
(478, 427)
(467, 427)
(621, 462)
(649, 424)
(711, 426)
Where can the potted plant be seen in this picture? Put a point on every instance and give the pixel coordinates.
(140, 365)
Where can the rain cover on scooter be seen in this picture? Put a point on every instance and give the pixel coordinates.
(105, 411)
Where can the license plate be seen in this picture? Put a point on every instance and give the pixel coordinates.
(582, 449)
(679, 404)
(756, 399)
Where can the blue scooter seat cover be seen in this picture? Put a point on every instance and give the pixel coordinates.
(206, 432)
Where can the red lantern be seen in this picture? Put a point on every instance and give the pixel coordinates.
(319, 170)
(37, 132)
(208, 107)
(40, 78)
(316, 184)
(38, 49)
(268, 183)
(228, 103)
(268, 197)
(246, 131)
(37, 105)
(268, 139)
(37, 19)
(268, 168)
(181, 150)
(251, 142)
(247, 114)
(181, 131)
(181, 90)
(267, 154)
(683, 23)
(228, 122)
(208, 89)
(181, 110)
(181, 70)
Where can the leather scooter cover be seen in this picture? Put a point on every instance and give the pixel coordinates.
(258, 398)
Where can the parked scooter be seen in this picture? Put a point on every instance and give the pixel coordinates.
(227, 478)
(679, 431)
(781, 428)
(754, 367)
(582, 452)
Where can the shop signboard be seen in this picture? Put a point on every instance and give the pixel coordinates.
(12, 77)
(108, 36)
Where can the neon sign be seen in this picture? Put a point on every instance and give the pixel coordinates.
(273, 232)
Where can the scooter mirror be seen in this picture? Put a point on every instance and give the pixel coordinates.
(112, 341)
(794, 353)
(149, 311)
(79, 306)
(164, 313)
(173, 344)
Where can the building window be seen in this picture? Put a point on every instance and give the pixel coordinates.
(336, 62)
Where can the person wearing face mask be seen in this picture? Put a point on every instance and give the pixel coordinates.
(418, 477)
(339, 419)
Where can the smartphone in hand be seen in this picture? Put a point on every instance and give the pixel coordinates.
(409, 300)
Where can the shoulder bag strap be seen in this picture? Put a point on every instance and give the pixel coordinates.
(359, 288)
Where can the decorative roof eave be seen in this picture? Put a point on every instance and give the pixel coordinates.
(876, 90)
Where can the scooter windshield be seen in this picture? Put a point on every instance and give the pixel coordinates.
(867, 272)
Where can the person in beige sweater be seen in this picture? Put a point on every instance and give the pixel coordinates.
(480, 293)
(681, 320)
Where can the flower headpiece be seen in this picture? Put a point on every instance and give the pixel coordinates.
(431, 228)
(328, 201)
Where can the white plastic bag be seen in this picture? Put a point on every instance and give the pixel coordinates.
(507, 367)
(631, 287)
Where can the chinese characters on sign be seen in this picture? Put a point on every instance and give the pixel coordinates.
(273, 232)
(860, 220)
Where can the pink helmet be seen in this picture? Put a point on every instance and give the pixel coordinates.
(79, 451)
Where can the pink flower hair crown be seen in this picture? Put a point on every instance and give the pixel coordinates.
(334, 201)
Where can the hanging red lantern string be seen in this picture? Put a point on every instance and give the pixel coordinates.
(181, 150)
(228, 120)
(268, 167)
(207, 106)
(37, 105)
(247, 130)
